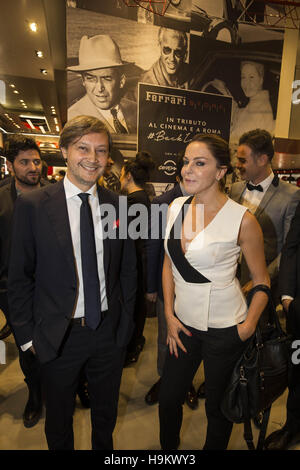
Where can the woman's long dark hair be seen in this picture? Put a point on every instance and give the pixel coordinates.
(140, 168)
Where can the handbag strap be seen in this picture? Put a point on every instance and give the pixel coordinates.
(248, 436)
(273, 317)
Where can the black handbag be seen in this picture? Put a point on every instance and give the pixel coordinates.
(260, 375)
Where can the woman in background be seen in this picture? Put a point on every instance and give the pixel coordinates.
(258, 112)
(134, 176)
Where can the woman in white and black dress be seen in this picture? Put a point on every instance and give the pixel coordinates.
(206, 313)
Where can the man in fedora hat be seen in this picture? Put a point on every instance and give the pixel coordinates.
(103, 78)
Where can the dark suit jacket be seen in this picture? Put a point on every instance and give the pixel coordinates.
(155, 246)
(42, 281)
(8, 196)
(274, 215)
(289, 273)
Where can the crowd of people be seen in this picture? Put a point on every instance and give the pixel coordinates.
(75, 277)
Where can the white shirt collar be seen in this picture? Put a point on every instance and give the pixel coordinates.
(72, 190)
(266, 182)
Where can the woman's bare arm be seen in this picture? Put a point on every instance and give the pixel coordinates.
(252, 245)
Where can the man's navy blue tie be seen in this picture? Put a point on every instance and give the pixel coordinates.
(91, 284)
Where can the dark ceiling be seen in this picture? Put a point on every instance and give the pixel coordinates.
(43, 95)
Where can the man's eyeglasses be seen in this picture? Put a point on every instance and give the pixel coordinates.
(179, 53)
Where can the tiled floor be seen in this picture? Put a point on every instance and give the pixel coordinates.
(137, 425)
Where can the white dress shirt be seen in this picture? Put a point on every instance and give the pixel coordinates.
(73, 205)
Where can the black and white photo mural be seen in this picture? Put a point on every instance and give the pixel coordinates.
(204, 46)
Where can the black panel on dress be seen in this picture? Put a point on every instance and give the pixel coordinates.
(188, 272)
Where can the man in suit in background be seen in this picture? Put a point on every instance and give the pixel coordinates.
(24, 161)
(155, 258)
(289, 289)
(72, 286)
(102, 70)
(272, 201)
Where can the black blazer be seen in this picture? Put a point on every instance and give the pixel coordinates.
(289, 272)
(8, 196)
(155, 246)
(42, 280)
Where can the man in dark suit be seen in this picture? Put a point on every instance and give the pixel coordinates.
(155, 258)
(72, 284)
(289, 289)
(24, 160)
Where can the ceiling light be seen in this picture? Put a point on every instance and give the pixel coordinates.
(22, 101)
(43, 71)
(55, 120)
(12, 85)
(57, 128)
(33, 27)
(16, 92)
(39, 54)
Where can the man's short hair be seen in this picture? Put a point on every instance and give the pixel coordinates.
(260, 142)
(79, 126)
(18, 143)
(179, 34)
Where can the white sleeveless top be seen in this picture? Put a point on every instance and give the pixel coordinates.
(218, 302)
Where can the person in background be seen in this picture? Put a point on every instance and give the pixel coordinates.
(155, 256)
(109, 180)
(134, 176)
(289, 289)
(206, 312)
(24, 161)
(272, 201)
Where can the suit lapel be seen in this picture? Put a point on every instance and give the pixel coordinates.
(239, 192)
(265, 200)
(56, 208)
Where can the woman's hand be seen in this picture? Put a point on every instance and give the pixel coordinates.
(220, 86)
(173, 340)
(245, 331)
